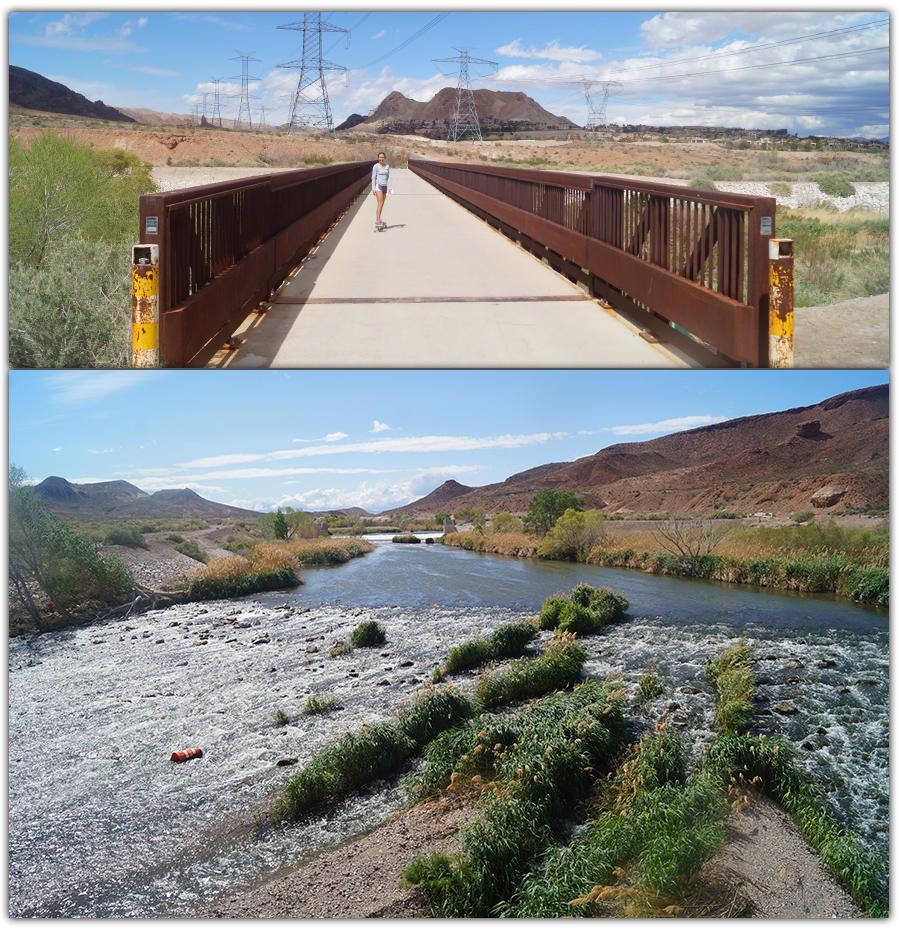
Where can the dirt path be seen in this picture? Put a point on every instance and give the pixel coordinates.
(765, 870)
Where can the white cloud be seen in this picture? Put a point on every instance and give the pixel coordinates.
(334, 436)
(415, 445)
(81, 387)
(669, 425)
(380, 426)
(70, 23)
(553, 51)
(378, 35)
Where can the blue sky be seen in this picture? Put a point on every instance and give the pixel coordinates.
(378, 439)
(807, 70)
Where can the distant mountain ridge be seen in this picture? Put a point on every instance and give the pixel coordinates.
(780, 462)
(32, 91)
(122, 499)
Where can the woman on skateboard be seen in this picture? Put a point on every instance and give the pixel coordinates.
(381, 185)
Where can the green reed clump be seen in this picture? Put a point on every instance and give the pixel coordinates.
(406, 540)
(368, 633)
(654, 832)
(769, 763)
(434, 711)
(585, 609)
(731, 676)
(373, 752)
(505, 641)
(559, 666)
(650, 685)
(357, 758)
(540, 760)
(319, 705)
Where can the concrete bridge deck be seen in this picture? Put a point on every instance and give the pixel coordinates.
(439, 288)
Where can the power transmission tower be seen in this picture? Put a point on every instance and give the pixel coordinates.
(216, 118)
(311, 107)
(244, 106)
(262, 117)
(597, 112)
(464, 121)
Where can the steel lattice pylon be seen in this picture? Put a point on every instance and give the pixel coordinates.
(244, 106)
(311, 107)
(464, 121)
(597, 112)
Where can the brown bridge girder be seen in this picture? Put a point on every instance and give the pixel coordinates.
(648, 289)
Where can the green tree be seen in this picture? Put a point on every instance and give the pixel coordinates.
(506, 522)
(47, 559)
(73, 217)
(575, 535)
(545, 509)
(280, 525)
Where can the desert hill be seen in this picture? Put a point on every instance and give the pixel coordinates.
(833, 455)
(122, 499)
(32, 91)
(492, 107)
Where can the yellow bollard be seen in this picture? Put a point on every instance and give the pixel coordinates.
(781, 304)
(145, 306)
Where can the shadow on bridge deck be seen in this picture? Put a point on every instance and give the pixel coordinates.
(438, 288)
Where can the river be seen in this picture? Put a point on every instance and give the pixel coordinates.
(103, 824)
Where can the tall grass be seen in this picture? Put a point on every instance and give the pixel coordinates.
(559, 666)
(503, 642)
(536, 765)
(584, 609)
(269, 566)
(372, 752)
(731, 676)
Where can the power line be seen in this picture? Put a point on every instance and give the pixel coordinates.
(403, 45)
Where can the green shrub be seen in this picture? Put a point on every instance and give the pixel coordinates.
(192, 550)
(406, 540)
(836, 184)
(318, 705)
(780, 189)
(127, 536)
(584, 610)
(804, 515)
(704, 183)
(724, 173)
(72, 311)
(368, 633)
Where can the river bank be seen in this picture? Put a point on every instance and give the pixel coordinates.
(216, 675)
(637, 546)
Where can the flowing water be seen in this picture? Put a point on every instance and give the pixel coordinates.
(103, 824)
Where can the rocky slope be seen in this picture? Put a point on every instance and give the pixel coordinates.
(833, 456)
(32, 91)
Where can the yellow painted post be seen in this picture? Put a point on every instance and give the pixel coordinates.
(781, 304)
(145, 306)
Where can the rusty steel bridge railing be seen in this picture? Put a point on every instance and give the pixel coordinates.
(690, 265)
(223, 248)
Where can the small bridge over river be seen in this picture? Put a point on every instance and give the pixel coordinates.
(479, 267)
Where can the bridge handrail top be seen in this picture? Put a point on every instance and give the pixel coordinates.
(181, 197)
(587, 182)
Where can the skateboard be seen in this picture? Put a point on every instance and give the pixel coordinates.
(380, 226)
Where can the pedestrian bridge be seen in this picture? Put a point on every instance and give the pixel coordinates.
(477, 267)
